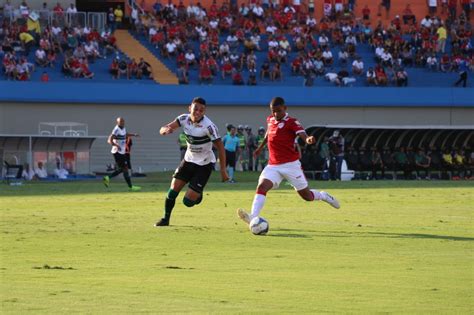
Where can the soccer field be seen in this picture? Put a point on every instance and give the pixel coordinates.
(394, 246)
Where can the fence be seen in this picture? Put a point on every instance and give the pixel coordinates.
(92, 20)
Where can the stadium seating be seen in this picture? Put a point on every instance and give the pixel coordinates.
(418, 76)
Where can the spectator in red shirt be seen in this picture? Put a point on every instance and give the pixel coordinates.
(237, 78)
(380, 75)
(366, 13)
(396, 22)
(86, 73)
(205, 75)
(45, 77)
(226, 68)
(212, 64)
(58, 9)
(296, 66)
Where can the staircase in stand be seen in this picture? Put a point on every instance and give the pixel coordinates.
(132, 48)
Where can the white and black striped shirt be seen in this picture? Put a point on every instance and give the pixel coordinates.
(120, 139)
(199, 137)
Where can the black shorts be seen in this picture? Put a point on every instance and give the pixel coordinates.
(121, 161)
(230, 158)
(194, 174)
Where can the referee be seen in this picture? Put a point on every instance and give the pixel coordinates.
(232, 148)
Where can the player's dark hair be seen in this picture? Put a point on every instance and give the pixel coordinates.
(199, 100)
(277, 101)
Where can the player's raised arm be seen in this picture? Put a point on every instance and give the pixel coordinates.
(222, 160)
(169, 128)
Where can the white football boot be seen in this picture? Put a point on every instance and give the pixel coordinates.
(244, 216)
(330, 199)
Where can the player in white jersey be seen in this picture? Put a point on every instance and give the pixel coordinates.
(118, 140)
(196, 167)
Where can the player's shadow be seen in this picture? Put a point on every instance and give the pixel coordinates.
(393, 235)
(426, 236)
(288, 233)
(308, 234)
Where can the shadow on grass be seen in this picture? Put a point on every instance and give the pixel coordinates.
(338, 234)
(396, 235)
(422, 236)
(289, 235)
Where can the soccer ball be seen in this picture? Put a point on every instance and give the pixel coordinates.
(259, 226)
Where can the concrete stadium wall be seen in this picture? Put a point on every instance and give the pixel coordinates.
(154, 152)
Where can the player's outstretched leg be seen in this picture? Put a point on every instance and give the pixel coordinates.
(326, 197)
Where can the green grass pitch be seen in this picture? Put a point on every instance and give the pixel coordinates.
(394, 246)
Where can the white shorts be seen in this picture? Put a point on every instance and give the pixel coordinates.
(291, 171)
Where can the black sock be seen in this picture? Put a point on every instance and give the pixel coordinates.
(115, 173)
(169, 205)
(127, 179)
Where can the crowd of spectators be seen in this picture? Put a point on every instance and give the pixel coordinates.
(221, 41)
(257, 41)
(26, 44)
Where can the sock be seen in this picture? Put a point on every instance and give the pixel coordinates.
(188, 202)
(115, 173)
(317, 195)
(127, 178)
(230, 170)
(169, 203)
(257, 205)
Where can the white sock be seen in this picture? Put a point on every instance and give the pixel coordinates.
(317, 195)
(257, 205)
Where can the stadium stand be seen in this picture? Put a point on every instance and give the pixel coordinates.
(418, 43)
(133, 49)
(419, 70)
